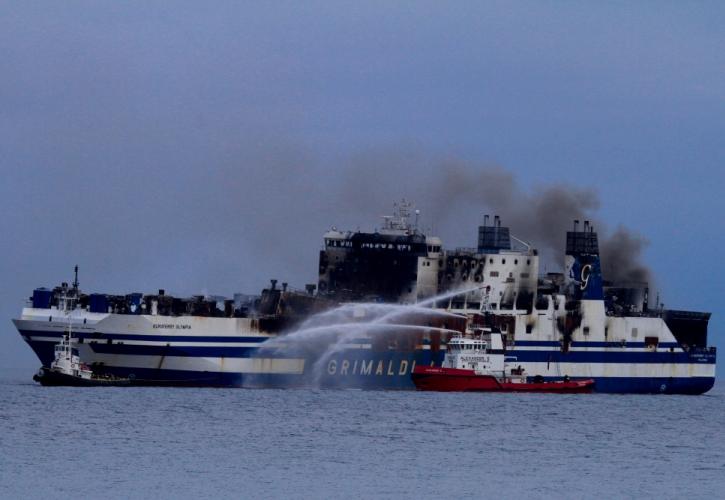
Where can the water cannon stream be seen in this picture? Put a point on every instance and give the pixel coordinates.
(333, 330)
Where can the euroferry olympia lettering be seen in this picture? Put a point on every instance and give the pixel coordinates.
(352, 328)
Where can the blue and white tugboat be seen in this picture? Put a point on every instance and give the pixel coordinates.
(67, 369)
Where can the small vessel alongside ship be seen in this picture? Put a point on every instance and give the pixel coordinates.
(557, 327)
(67, 369)
(479, 365)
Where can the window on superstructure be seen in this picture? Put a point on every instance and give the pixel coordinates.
(516, 261)
(586, 330)
(503, 261)
(634, 333)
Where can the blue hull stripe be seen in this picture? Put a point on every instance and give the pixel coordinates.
(159, 350)
(550, 356)
(207, 338)
(520, 355)
(580, 343)
(637, 357)
(159, 338)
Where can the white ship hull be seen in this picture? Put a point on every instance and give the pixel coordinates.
(204, 351)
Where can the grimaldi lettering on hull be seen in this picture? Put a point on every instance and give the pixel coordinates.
(370, 367)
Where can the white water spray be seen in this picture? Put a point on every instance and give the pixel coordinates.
(336, 329)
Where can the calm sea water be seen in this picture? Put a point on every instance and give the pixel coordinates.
(237, 443)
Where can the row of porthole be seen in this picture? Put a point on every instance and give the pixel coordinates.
(465, 263)
(478, 277)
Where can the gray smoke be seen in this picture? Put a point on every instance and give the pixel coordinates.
(268, 208)
(540, 217)
(543, 215)
(621, 253)
(454, 195)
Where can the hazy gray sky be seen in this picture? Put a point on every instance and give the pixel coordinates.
(206, 147)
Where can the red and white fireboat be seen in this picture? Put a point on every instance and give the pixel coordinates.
(479, 365)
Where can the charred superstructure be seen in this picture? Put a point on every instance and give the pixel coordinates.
(570, 325)
(395, 264)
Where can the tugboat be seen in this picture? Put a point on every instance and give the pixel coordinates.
(479, 365)
(67, 369)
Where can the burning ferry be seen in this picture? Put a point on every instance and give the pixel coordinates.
(385, 302)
